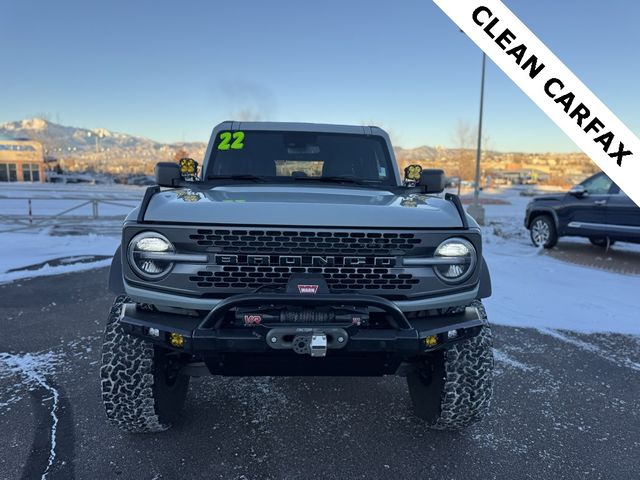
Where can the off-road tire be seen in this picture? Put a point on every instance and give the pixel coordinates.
(545, 224)
(601, 242)
(452, 389)
(138, 396)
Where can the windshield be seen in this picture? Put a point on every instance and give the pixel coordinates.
(288, 156)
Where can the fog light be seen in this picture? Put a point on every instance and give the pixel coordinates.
(431, 341)
(154, 332)
(176, 340)
(451, 334)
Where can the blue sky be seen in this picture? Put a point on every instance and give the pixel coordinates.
(171, 70)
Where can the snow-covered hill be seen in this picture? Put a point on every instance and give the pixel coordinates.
(61, 138)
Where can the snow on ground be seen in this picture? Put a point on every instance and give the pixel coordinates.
(23, 249)
(54, 190)
(32, 371)
(533, 289)
(52, 199)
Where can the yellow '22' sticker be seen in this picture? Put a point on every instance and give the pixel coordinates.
(226, 142)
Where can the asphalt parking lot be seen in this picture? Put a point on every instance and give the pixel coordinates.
(566, 406)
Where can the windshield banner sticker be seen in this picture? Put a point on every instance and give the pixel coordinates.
(552, 86)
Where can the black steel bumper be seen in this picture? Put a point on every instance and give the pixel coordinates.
(207, 336)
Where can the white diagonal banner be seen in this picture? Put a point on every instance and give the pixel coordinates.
(552, 86)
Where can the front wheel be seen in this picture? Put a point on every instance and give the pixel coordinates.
(543, 232)
(142, 389)
(452, 389)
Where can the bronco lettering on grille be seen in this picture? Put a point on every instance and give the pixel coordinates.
(298, 260)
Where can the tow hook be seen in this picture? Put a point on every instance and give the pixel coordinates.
(307, 341)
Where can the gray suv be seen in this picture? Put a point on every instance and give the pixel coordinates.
(297, 249)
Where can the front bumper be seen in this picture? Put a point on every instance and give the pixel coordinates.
(155, 297)
(207, 336)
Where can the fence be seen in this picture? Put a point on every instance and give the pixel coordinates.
(20, 212)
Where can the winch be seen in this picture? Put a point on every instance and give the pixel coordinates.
(251, 316)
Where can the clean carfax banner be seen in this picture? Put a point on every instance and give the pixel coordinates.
(552, 86)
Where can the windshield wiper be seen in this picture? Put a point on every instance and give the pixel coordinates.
(255, 178)
(339, 179)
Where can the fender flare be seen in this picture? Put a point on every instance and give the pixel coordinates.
(485, 281)
(545, 210)
(116, 284)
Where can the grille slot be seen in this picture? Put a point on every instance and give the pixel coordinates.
(310, 242)
(337, 278)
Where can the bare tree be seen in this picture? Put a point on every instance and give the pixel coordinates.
(486, 149)
(46, 116)
(463, 138)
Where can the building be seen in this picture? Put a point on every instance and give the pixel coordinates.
(524, 176)
(21, 161)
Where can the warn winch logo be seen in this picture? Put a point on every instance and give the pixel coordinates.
(252, 319)
(308, 289)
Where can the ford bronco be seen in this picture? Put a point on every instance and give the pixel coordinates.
(297, 249)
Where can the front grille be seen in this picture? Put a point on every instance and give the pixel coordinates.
(337, 278)
(242, 259)
(298, 241)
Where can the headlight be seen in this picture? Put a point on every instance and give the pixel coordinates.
(458, 257)
(145, 253)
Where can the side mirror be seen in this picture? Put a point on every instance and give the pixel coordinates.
(168, 174)
(432, 180)
(578, 191)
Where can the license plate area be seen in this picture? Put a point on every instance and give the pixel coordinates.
(307, 341)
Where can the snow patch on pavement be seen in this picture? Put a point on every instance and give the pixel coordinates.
(502, 357)
(590, 347)
(22, 249)
(33, 369)
(49, 270)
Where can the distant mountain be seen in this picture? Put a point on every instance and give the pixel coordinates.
(98, 149)
(61, 139)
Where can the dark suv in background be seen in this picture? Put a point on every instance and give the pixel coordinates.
(596, 209)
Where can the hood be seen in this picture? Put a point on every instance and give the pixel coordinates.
(301, 206)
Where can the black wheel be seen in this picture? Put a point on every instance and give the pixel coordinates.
(601, 241)
(452, 389)
(142, 389)
(543, 232)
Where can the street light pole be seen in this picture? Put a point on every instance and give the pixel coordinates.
(476, 210)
